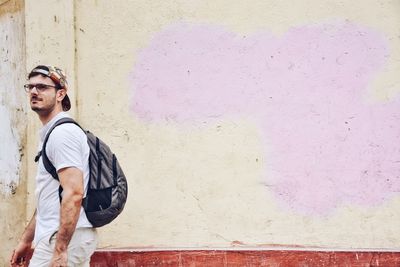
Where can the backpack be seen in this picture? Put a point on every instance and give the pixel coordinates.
(107, 187)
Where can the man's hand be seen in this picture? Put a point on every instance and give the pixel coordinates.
(60, 259)
(24, 247)
(18, 257)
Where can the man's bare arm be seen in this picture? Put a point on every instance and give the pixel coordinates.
(24, 246)
(71, 180)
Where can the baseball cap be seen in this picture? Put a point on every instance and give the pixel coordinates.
(58, 77)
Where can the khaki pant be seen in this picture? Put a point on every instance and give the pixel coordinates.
(82, 245)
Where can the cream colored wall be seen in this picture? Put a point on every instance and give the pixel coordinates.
(13, 122)
(196, 187)
(199, 186)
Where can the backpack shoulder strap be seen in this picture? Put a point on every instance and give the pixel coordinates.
(46, 162)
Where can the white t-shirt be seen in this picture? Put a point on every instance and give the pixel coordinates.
(66, 147)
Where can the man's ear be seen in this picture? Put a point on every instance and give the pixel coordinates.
(61, 93)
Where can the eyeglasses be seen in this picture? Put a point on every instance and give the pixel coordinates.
(40, 87)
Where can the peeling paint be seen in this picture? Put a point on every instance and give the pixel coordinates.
(11, 99)
(9, 153)
(13, 123)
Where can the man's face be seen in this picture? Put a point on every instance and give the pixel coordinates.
(42, 100)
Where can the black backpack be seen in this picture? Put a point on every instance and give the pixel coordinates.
(107, 187)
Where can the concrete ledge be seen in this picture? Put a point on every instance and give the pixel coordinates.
(281, 258)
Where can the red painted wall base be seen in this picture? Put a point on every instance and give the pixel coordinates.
(243, 258)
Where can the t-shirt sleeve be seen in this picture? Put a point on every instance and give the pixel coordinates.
(66, 147)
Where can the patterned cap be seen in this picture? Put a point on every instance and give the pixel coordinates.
(58, 77)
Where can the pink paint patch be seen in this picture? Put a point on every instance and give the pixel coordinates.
(326, 145)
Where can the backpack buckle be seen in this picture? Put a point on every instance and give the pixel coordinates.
(38, 156)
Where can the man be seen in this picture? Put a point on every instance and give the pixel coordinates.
(59, 229)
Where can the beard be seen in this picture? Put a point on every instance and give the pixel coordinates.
(45, 109)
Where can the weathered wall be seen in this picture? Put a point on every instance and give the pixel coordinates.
(13, 124)
(238, 123)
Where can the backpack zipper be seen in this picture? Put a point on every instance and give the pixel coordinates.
(99, 157)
